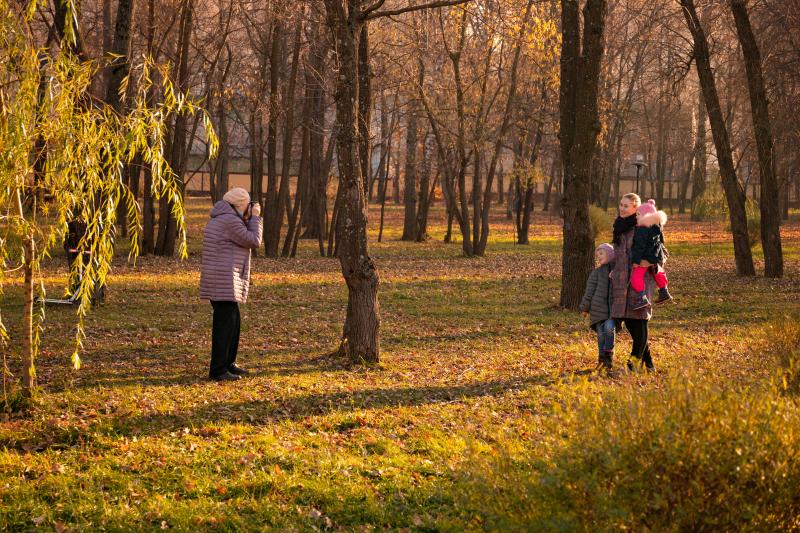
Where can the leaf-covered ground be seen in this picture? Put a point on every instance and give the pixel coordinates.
(477, 362)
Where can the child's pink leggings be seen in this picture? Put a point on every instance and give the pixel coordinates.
(637, 278)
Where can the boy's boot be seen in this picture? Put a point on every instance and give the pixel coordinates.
(606, 361)
(663, 296)
(641, 301)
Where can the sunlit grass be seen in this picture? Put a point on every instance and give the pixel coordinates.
(478, 362)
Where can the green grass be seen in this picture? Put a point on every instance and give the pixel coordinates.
(481, 415)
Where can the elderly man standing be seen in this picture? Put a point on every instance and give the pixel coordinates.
(234, 229)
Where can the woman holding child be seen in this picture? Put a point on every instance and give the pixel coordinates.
(619, 291)
(624, 308)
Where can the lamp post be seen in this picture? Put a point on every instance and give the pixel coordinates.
(639, 164)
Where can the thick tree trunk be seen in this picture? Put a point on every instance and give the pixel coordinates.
(733, 190)
(360, 338)
(762, 129)
(579, 127)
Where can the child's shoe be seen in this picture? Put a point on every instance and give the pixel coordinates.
(605, 362)
(663, 296)
(641, 301)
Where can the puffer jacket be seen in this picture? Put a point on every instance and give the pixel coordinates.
(648, 239)
(597, 298)
(623, 299)
(225, 265)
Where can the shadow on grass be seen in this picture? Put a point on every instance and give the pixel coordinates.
(268, 411)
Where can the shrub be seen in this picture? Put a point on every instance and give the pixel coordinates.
(685, 457)
(600, 220)
(753, 221)
(785, 344)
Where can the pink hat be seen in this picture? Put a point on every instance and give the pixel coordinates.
(647, 207)
(608, 249)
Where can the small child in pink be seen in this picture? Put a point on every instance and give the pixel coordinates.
(647, 252)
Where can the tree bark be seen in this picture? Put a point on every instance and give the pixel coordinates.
(733, 189)
(410, 179)
(271, 194)
(360, 335)
(28, 347)
(700, 159)
(425, 195)
(762, 129)
(579, 127)
(167, 225)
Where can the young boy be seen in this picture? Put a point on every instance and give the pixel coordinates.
(596, 304)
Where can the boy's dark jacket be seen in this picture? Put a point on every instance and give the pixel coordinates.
(648, 240)
(598, 295)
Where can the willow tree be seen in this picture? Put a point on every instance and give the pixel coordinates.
(59, 145)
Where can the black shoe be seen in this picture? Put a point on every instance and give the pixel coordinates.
(663, 296)
(238, 371)
(226, 376)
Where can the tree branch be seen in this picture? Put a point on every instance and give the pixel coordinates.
(409, 9)
(366, 12)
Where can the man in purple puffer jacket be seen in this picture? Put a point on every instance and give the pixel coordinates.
(235, 228)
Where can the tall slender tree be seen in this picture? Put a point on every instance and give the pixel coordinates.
(762, 129)
(734, 192)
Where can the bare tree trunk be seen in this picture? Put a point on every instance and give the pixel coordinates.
(396, 180)
(360, 335)
(223, 158)
(148, 208)
(120, 66)
(579, 127)
(256, 155)
(282, 202)
(271, 194)
(28, 349)
(364, 106)
(410, 193)
(762, 129)
(700, 158)
(733, 190)
(425, 195)
(167, 225)
(290, 242)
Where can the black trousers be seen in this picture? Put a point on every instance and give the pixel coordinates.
(224, 336)
(638, 330)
